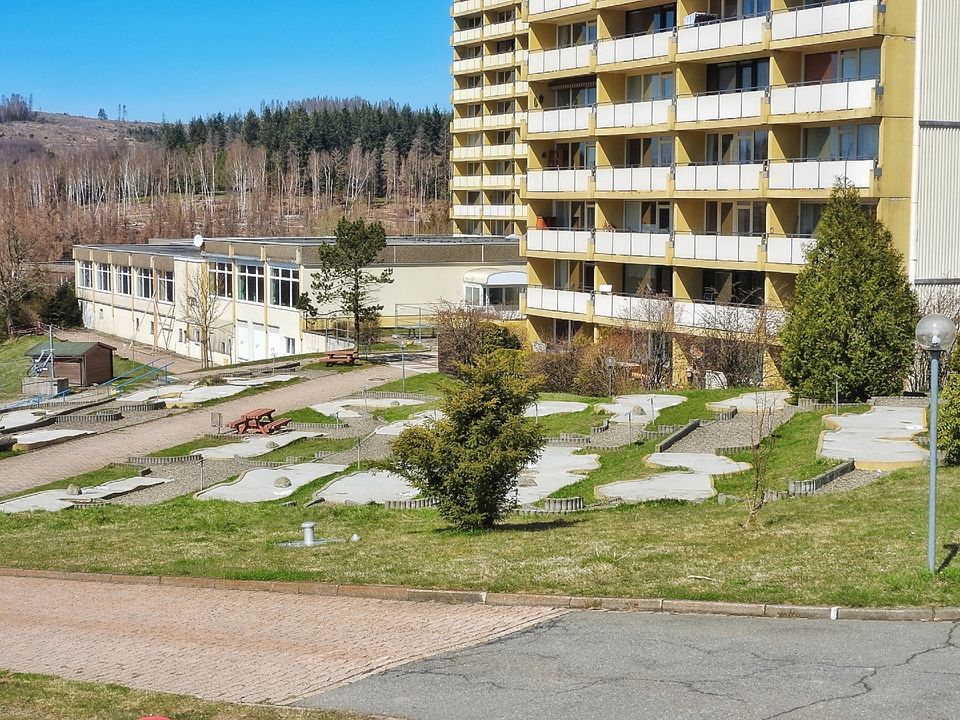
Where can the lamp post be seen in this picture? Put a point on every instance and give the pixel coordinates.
(935, 334)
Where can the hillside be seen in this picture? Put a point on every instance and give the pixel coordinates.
(60, 133)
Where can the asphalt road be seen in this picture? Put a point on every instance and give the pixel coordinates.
(622, 665)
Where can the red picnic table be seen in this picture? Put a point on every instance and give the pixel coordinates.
(259, 420)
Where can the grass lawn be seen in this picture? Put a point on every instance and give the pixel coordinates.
(13, 365)
(866, 547)
(90, 479)
(426, 383)
(624, 463)
(199, 444)
(39, 696)
(307, 415)
(696, 405)
(308, 447)
(402, 412)
(579, 422)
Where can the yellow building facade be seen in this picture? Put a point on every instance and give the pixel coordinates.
(685, 150)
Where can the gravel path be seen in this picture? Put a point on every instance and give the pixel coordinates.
(740, 430)
(851, 481)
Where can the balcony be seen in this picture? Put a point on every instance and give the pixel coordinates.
(720, 34)
(631, 307)
(466, 153)
(470, 65)
(510, 27)
(463, 7)
(633, 114)
(502, 120)
(461, 37)
(631, 243)
(718, 177)
(728, 318)
(512, 89)
(824, 97)
(508, 151)
(507, 59)
(632, 179)
(788, 250)
(558, 120)
(558, 180)
(509, 212)
(567, 301)
(544, 6)
(465, 182)
(720, 106)
(465, 124)
(467, 211)
(820, 174)
(633, 48)
(501, 182)
(727, 248)
(570, 58)
(823, 19)
(558, 241)
(468, 94)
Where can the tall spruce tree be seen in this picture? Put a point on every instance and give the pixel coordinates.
(344, 279)
(853, 316)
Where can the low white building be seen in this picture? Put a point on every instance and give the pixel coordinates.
(140, 292)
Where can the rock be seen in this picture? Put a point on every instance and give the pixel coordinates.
(354, 538)
(282, 482)
(73, 489)
(146, 471)
(272, 445)
(394, 403)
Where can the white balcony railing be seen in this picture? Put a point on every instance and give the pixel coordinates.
(635, 47)
(733, 318)
(467, 211)
(469, 65)
(471, 123)
(510, 89)
(631, 244)
(558, 241)
(505, 211)
(468, 94)
(719, 106)
(465, 182)
(633, 114)
(820, 174)
(636, 179)
(730, 248)
(566, 180)
(720, 34)
(509, 27)
(461, 7)
(568, 301)
(505, 151)
(501, 120)
(544, 6)
(718, 177)
(788, 250)
(823, 19)
(467, 153)
(823, 97)
(465, 36)
(570, 58)
(499, 60)
(494, 182)
(560, 120)
(631, 307)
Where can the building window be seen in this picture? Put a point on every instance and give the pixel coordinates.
(165, 286)
(123, 282)
(656, 86)
(740, 148)
(144, 283)
(653, 216)
(221, 278)
(85, 274)
(650, 152)
(284, 286)
(741, 218)
(250, 283)
(581, 33)
(291, 345)
(846, 142)
(578, 96)
(103, 277)
(651, 20)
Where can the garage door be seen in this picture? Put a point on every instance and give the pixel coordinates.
(243, 341)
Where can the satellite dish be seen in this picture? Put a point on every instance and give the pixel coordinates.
(198, 241)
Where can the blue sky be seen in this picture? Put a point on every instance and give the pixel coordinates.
(180, 58)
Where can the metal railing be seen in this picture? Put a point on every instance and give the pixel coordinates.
(827, 17)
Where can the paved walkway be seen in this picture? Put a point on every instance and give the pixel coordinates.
(236, 646)
(79, 456)
(134, 351)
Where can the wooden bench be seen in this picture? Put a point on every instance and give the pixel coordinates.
(275, 425)
(252, 420)
(339, 357)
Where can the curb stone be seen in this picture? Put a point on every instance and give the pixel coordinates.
(480, 597)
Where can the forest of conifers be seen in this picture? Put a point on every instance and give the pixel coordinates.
(285, 170)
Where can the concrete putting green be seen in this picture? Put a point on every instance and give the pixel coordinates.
(880, 439)
(254, 445)
(193, 394)
(258, 381)
(639, 408)
(16, 419)
(694, 485)
(542, 408)
(161, 392)
(753, 402)
(556, 468)
(368, 486)
(343, 408)
(262, 484)
(34, 439)
(417, 420)
(53, 500)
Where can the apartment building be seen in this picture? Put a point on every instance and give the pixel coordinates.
(489, 102)
(141, 292)
(686, 149)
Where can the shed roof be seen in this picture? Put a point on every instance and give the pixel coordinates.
(64, 349)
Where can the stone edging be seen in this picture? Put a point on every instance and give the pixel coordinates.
(481, 597)
(808, 487)
(671, 440)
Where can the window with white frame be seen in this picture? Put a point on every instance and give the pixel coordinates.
(103, 277)
(165, 286)
(221, 279)
(123, 280)
(250, 283)
(144, 283)
(85, 274)
(284, 286)
(291, 345)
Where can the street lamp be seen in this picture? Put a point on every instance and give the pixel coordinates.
(935, 334)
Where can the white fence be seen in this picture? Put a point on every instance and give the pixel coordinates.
(823, 19)
(631, 244)
(730, 248)
(720, 106)
(820, 174)
(822, 97)
(648, 179)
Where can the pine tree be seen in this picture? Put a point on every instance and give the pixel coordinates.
(853, 316)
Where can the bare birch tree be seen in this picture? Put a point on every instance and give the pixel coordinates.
(201, 307)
